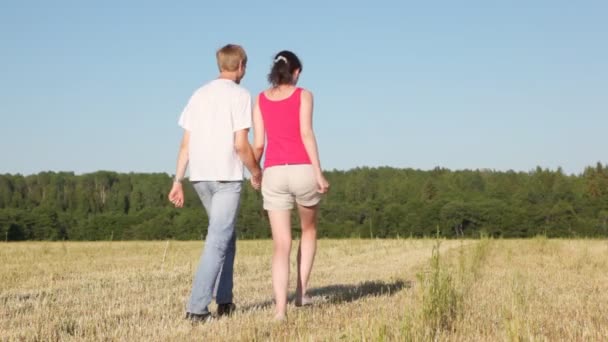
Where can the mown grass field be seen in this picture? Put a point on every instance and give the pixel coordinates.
(365, 290)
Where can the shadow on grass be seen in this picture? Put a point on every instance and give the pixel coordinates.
(343, 293)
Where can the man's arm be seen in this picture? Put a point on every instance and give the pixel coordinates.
(245, 152)
(176, 196)
(182, 157)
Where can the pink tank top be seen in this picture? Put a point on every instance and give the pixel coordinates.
(282, 125)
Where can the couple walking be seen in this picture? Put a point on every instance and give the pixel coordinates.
(215, 147)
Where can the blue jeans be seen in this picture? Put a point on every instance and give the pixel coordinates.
(216, 266)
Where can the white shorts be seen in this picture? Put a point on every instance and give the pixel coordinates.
(282, 185)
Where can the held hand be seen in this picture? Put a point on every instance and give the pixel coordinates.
(256, 181)
(176, 196)
(322, 184)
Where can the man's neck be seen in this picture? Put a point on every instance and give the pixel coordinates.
(224, 75)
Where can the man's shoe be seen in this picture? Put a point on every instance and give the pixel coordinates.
(226, 309)
(198, 317)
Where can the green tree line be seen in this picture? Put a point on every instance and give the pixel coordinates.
(380, 202)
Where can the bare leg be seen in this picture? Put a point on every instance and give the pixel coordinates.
(280, 224)
(306, 252)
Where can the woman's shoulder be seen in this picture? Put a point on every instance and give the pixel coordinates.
(305, 93)
(304, 90)
(266, 93)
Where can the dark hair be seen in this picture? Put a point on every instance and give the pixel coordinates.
(285, 63)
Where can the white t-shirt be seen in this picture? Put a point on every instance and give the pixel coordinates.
(215, 111)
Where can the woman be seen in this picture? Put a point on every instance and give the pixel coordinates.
(292, 173)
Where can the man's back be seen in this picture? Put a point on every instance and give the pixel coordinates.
(215, 111)
(215, 146)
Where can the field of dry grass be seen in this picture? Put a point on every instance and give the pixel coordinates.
(368, 290)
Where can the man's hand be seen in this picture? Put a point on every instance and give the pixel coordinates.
(176, 195)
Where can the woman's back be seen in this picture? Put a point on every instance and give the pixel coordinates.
(281, 115)
(282, 119)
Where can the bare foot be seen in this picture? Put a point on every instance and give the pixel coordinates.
(303, 300)
(279, 318)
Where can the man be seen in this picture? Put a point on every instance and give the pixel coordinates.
(215, 146)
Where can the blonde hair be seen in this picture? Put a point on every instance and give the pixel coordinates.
(230, 56)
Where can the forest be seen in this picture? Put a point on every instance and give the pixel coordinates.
(364, 202)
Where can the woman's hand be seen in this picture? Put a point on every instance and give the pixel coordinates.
(322, 184)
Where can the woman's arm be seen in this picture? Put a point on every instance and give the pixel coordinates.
(309, 140)
(259, 135)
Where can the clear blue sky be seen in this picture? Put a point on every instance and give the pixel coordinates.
(457, 84)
